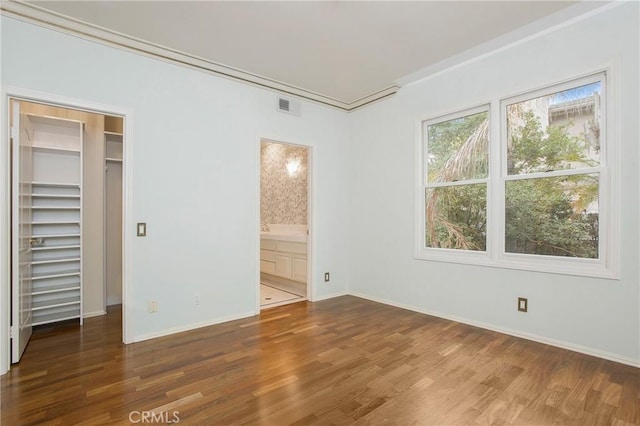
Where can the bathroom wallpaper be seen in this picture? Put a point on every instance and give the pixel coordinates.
(283, 184)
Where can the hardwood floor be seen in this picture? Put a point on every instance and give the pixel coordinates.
(339, 361)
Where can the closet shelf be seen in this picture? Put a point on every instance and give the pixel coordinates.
(62, 222)
(56, 260)
(57, 184)
(106, 132)
(113, 160)
(56, 236)
(57, 289)
(54, 248)
(55, 120)
(55, 196)
(55, 149)
(55, 303)
(57, 274)
(61, 316)
(54, 208)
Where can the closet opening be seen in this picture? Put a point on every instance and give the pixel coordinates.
(66, 214)
(284, 223)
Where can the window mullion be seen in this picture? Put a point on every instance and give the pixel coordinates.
(495, 192)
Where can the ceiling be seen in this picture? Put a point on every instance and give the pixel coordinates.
(341, 53)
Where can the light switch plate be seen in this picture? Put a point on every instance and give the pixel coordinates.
(142, 229)
(523, 304)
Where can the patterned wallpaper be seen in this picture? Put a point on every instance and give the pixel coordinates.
(283, 190)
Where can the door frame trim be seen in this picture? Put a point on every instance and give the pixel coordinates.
(266, 137)
(19, 93)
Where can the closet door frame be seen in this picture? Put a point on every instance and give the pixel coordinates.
(28, 95)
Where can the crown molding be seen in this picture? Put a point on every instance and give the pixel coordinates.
(45, 18)
(374, 97)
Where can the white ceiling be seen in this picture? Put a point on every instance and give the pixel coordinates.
(343, 51)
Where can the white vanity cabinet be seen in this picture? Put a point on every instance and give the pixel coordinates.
(299, 267)
(286, 259)
(268, 256)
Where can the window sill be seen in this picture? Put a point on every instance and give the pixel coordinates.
(544, 264)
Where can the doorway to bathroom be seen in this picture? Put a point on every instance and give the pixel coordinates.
(284, 223)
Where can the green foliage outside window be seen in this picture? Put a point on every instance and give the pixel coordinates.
(555, 216)
(457, 217)
(547, 216)
(458, 150)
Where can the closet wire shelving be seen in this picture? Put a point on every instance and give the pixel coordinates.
(56, 204)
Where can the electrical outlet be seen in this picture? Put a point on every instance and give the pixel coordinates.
(153, 307)
(523, 304)
(196, 299)
(326, 277)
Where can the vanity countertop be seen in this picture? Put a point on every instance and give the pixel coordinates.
(297, 233)
(271, 235)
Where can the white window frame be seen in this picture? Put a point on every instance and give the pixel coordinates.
(607, 264)
(444, 254)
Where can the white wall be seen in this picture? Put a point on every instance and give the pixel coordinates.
(594, 315)
(195, 173)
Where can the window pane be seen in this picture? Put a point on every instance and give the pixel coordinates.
(555, 132)
(458, 149)
(553, 216)
(456, 217)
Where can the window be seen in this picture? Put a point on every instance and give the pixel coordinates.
(553, 167)
(457, 170)
(545, 204)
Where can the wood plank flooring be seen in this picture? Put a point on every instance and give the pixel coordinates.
(339, 361)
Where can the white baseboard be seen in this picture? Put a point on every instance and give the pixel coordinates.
(329, 296)
(516, 333)
(189, 327)
(533, 337)
(94, 314)
(173, 330)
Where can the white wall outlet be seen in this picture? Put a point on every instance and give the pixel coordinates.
(327, 277)
(196, 299)
(153, 307)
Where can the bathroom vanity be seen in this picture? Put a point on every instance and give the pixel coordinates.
(283, 252)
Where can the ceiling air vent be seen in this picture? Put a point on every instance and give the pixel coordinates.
(284, 104)
(290, 106)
